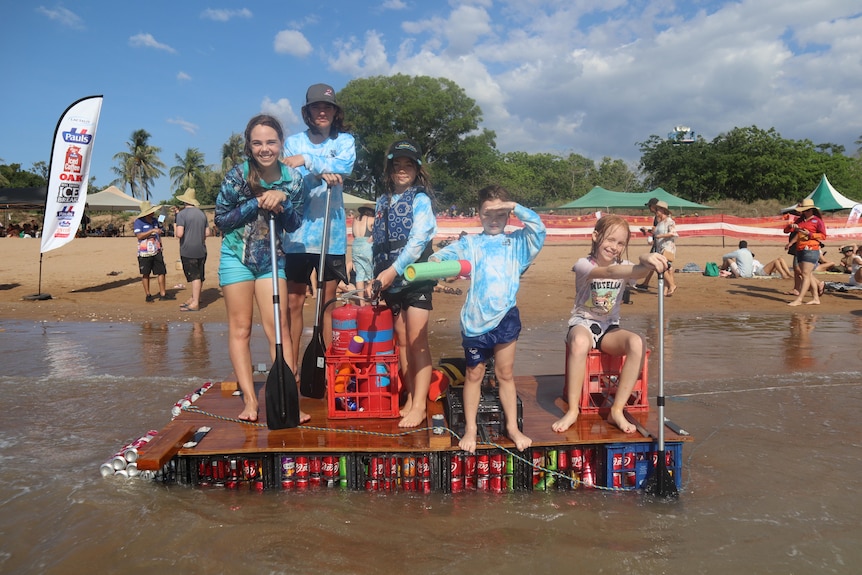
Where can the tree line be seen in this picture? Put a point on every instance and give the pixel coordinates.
(744, 164)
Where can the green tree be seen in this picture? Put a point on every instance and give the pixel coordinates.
(138, 167)
(188, 171)
(232, 152)
(435, 112)
(15, 177)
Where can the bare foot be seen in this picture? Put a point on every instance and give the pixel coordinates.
(522, 442)
(565, 422)
(468, 442)
(813, 302)
(405, 409)
(618, 418)
(795, 303)
(791, 292)
(304, 417)
(413, 418)
(249, 413)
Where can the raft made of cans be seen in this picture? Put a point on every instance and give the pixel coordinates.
(206, 447)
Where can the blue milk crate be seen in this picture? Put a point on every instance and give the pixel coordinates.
(627, 465)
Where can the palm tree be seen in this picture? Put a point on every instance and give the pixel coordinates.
(189, 170)
(232, 152)
(139, 166)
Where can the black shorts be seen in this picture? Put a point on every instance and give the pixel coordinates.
(418, 296)
(193, 268)
(298, 267)
(154, 265)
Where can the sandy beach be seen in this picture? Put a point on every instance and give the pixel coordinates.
(96, 279)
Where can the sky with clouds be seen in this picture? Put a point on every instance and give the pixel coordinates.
(592, 77)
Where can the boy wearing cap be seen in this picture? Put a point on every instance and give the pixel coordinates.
(148, 231)
(323, 154)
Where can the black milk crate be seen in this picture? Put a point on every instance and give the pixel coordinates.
(250, 472)
(304, 471)
(413, 472)
(627, 465)
(564, 467)
(463, 471)
(490, 419)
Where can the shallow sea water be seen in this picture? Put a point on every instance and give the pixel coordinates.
(771, 484)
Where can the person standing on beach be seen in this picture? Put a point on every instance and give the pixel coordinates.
(490, 320)
(404, 227)
(192, 228)
(665, 243)
(250, 192)
(595, 323)
(650, 233)
(148, 231)
(360, 249)
(324, 154)
(809, 230)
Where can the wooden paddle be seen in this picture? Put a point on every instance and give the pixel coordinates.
(660, 483)
(312, 381)
(281, 396)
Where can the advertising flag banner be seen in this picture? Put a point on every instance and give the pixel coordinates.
(69, 172)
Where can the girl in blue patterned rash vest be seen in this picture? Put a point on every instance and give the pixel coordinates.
(324, 155)
(249, 193)
(490, 321)
(404, 227)
(600, 279)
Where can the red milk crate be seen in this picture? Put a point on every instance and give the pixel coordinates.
(601, 380)
(362, 386)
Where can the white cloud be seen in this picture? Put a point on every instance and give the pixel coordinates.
(147, 41)
(64, 16)
(182, 76)
(282, 110)
(223, 15)
(292, 42)
(187, 126)
(393, 5)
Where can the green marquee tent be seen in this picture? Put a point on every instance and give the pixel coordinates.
(826, 198)
(600, 198)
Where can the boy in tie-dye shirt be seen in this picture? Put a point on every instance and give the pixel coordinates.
(490, 322)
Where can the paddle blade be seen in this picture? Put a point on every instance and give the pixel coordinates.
(313, 370)
(660, 484)
(281, 396)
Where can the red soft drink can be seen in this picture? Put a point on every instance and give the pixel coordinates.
(456, 469)
(483, 465)
(302, 468)
(618, 480)
(249, 468)
(496, 483)
(538, 463)
(423, 467)
(392, 467)
(409, 484)
(375, 468)
(498, 462)
(470, 471)
(483, 483)
(302, 483)
(314, 465)
(629, 460)
(631, 479)
(617, 461)
(576, 460)
(288, 483)
(329, 466)
(257, 484)
(562, 460)
(425, 485)
(371, 484)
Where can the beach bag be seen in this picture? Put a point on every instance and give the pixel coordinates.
(711, 269)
